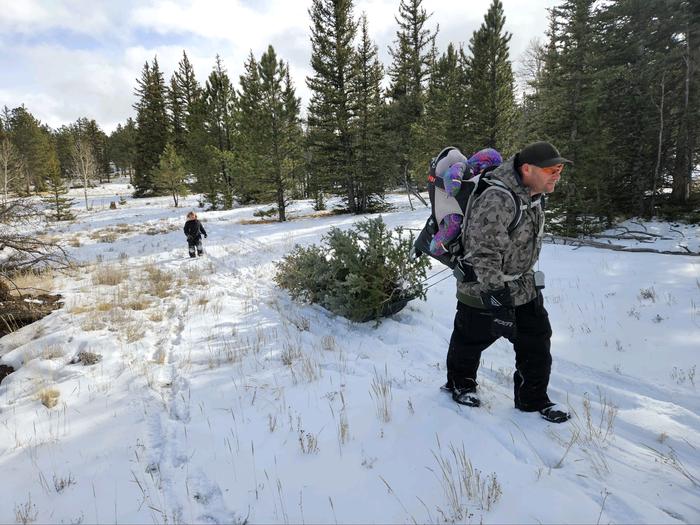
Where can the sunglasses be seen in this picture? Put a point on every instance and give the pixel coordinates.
(552, 170)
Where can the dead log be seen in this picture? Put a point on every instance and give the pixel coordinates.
(576, 242)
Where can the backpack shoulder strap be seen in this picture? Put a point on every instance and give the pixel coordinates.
(488, 183)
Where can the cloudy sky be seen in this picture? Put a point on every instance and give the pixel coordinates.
(66, 59)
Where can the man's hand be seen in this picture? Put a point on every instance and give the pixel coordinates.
(500, 303)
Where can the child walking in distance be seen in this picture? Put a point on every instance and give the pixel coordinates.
(194, 231)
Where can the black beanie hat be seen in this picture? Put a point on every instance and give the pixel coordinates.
(542, 155)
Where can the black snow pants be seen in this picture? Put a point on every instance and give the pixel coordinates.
(192, 245)
(533, 360)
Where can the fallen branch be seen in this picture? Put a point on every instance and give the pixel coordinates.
(573, 241)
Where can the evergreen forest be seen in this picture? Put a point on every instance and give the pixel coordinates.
(615, 85)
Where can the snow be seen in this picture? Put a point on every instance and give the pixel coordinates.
(219, 399)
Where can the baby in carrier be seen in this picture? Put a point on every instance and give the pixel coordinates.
(450, 226)
(194, 231)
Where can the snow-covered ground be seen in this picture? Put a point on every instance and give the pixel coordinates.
(218, 399)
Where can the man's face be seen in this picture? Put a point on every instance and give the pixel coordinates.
(541, 180)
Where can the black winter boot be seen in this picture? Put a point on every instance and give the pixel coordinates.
(466, 394)
(555, 413)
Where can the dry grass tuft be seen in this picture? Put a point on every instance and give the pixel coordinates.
(134, 331)
(80, 309)
(156, 316)
(32, 280)
(158, 281)
(138, 304)
(92, 323)
(26, 513)
(109, 275)
(104, 307)
(52, 352)
(49, 397)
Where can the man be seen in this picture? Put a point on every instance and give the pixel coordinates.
(501, 297)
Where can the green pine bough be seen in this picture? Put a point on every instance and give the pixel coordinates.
(363, 273)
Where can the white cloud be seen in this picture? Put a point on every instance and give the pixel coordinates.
(60, 80)
(84, 17)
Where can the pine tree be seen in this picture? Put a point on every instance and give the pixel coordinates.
(98, 140)
(56, 202)
(251, 147)
(220, 104)
(171, 176)
(413, 54)
(270, 131)
(444, 122)
(176, 115)
(193, 146)
(491, 100)
(640, 52)
(564, 113)
(370, 166)
(293, 140)
(152, 127)
(330, 141)
(34, 146)
(122, 147)
(280, 119)
(687, 149)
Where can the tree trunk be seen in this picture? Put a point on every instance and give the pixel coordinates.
(683, 167)
(655, 177)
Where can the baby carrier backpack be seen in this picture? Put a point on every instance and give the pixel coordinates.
(444, 204)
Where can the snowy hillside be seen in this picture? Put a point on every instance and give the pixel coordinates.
(218, 399)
